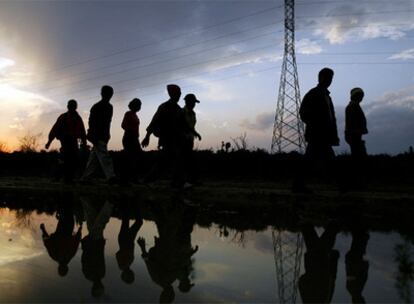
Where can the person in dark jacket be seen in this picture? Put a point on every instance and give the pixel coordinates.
(168, 125)
(69, 129)
(99, 134)
(318, 114)
(63, 244)
(317, 284)
(356, 124)
(130, 140)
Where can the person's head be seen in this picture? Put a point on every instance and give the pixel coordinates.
(63, 270)
(97, 289)
(135, 105)
(174, 92)
(107, 92)
(185, 285)
(325, 77)
(72, 105)
(128, 276)
(190, 101)
(167, 294)
(357, 94)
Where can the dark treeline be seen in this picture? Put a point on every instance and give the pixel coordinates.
(235, 165)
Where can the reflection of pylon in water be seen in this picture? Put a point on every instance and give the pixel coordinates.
(288, 248)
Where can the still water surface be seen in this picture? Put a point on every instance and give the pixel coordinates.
(185, 262)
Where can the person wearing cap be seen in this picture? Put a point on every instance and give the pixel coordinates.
(189, 135)
(99, 134)
(318, 114)
(168, 125)
(69, 129)
(355, 124)
(130, 140)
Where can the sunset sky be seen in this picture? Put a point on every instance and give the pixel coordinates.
(228, 53)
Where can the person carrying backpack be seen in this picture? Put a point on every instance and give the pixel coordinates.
(168, 125)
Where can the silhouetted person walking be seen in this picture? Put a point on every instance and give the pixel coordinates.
(318, 114)
(317, 284)
(93, 245)
(126, 241)
(69, 129)
(99, 134)
(168, 125)
(356, 266)
(63, 244)
(356, 124)
(189, 134)
(170, 257)
(130, 141)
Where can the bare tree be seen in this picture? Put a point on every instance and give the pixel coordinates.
(29, 142)
(3, 147)
(240, 142)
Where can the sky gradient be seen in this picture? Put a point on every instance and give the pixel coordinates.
(228, 53)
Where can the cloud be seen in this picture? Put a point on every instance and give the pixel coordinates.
(404, 55)
(308, 47)
(263, 122)
(5, 63)
(390, 122)
(350, 23)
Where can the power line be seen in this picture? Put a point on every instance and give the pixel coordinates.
(184, 55)
(216, 38)
(166, 39)
(179, 48)
(179, 68)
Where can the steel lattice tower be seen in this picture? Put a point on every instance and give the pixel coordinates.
(288, 249)
(288, 128)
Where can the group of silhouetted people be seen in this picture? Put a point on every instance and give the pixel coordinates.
(321, 134)
(167, 261)
(174, 126)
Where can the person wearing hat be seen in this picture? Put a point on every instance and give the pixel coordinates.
(355, 124)
(130, 140)
(189, 135)
(168, 125)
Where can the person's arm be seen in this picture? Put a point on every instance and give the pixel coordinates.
(304, 110)
(336, 139)
(150, 129)
(82, 131)
(54, 132)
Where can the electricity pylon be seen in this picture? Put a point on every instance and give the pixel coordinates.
(288, 128)
(288, 249)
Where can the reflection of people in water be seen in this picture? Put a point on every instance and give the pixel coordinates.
(93, 245)
(170, 258)
(126, 241)
(356, 266)
(317, 284)
(62, 245)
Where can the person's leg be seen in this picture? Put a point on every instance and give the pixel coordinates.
(104, 159)
(91, 166)
(70, 155)
(160, 165)
(310, 237)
